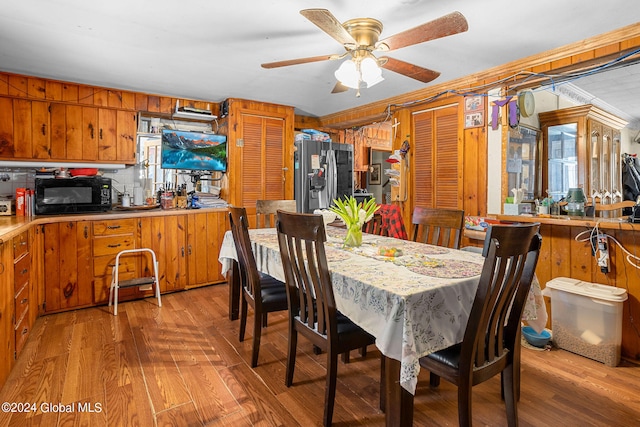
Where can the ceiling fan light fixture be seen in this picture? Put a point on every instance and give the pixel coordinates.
(348, 75)
(370, 72)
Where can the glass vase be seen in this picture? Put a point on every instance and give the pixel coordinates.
(354, 236)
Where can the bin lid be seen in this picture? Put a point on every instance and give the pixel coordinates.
(594, 290)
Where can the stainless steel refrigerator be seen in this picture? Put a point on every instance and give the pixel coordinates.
(323, 172)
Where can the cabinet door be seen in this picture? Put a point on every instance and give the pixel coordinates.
(107, 149)
(205, 232)
(90, 132)
(73, 132)
(40, 130)
(126, 136)
(166, 236)
(58, 123)
(22, 128)
(67, 266)
(6, 128)
(437, 174)
(262, 159)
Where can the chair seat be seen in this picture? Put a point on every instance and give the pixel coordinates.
(274, 294)
(449, 356)
(346, 328)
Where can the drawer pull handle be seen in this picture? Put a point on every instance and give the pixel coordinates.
(24, 331)
(113, 227)
(24, 271)
(24, 301)
(113, 246)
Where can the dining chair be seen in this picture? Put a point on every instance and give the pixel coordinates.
(441, 227)
(492, 336)
(262, 292)
(266, 211)
(612, 210)
(312, 307)
(374, 226)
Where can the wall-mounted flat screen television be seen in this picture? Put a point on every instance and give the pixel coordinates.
(188, 150)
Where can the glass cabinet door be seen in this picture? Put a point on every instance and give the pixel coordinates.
(562, 159)
(522, 158)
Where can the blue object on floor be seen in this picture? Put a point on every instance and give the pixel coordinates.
(536, 339)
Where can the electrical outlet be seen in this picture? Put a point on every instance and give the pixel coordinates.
(603, 253)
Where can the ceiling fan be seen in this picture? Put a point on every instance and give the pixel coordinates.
(360, 36)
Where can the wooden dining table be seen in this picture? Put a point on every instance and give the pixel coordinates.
(414, 303)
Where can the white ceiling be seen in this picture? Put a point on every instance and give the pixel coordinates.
(210, 50)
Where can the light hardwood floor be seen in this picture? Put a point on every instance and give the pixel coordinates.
(182, 365)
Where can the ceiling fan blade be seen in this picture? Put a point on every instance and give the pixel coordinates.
(446, 25)
(299, 61)
(339, 87)
(415, 72)
(329, 24)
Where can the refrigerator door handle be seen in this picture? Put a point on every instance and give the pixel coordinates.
(332, 179)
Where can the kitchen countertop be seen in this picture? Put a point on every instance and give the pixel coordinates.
(11, 226)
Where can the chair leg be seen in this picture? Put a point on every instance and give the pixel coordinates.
(257, 333)
(157, 285)
(510, 387)
(243, 317)
(434, 380)
(464, 404)
(346, 356)
(330, 392)
(291, 355)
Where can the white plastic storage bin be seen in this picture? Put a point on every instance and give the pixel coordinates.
(586, 318)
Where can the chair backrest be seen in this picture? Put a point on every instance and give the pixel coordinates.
(441, 227)
(266, 211)
(249, 275)
(301, 239)
(374, 226)
(612, 210)
(511, 256)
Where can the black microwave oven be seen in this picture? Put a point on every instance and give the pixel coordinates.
(72, 195)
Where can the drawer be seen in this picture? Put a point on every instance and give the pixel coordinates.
(21, 272)
(111, 245)
(22, 333)
(20, 244)
(103, 265)
(114, 227)
(22, 304)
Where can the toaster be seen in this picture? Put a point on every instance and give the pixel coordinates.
(5, 207)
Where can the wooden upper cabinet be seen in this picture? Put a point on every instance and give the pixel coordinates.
(107, 148)
(40, 130)
(32, 129)
(126, 128)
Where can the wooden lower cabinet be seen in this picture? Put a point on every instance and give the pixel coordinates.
(21, 288)
(7, 332)
(67, 266)
(166, 236)
(205, 232)
(108, 238)
(79, 256)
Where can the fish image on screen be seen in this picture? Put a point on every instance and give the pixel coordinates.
(188, 150)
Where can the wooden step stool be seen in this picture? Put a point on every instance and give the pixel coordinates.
(138, 281)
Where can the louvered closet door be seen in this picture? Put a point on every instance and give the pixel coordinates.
(262, 159)
(437, 174)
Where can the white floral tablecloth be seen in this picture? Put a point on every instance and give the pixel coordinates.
(414, 304)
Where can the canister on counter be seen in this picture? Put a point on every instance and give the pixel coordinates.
(20, 201)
